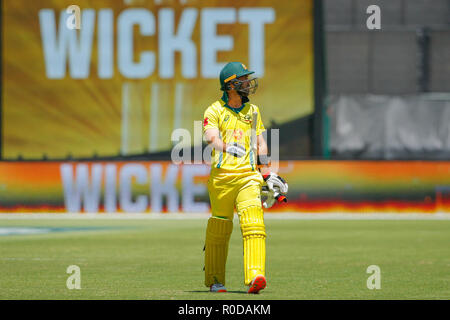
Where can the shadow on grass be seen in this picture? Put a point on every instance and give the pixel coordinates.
(206, 291)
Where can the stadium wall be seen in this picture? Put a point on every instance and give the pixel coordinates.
(163, 187)
(390, 127)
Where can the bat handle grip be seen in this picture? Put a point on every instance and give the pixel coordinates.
(280, 198)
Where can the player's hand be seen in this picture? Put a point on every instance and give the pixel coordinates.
(235, 149)
(271, 197)
(275, 183)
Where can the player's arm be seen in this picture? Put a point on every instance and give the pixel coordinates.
(274, 182)
(276, 187)
(212, 137)
(263, 163)
(263, 159)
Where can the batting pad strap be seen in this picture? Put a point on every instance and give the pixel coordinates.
(243, 205)
(253, 230)
(252, 222)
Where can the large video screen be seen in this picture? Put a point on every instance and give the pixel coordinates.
(112, 78)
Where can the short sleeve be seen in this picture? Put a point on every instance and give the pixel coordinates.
(259, 125)
(210, 119)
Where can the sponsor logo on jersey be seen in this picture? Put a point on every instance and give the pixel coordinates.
(237, 134)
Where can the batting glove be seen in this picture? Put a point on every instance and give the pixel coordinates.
(275, 183)
(271, 197)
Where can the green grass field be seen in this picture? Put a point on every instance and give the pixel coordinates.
(163, 259)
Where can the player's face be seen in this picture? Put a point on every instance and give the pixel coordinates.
(245, 83)
(247, 86)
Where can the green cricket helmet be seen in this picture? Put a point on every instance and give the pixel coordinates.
(230, 74)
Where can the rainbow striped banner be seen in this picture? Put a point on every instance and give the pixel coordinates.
(147, 186)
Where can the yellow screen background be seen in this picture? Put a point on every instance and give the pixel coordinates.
(83, 117)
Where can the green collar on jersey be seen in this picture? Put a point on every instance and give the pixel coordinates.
(237, 110)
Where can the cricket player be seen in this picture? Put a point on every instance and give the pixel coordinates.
(235, 181)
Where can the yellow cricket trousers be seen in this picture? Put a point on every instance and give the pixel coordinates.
(229, 190)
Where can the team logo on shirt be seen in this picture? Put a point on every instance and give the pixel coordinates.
(237, 134)
(226, 118)
(247, 118)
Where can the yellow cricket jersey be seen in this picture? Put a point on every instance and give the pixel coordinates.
(233, 127)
